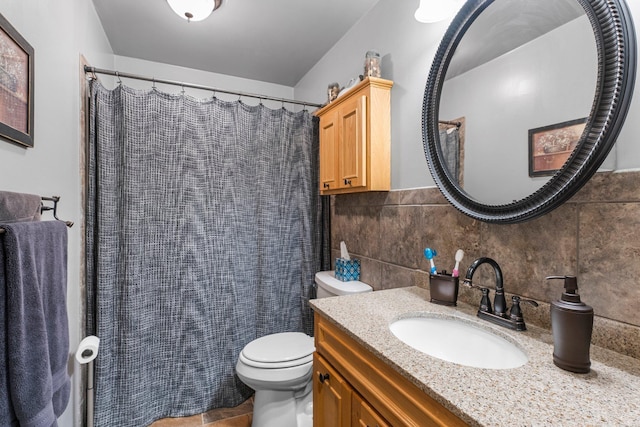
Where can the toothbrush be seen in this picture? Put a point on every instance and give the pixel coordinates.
(459, 256)
(429, 254)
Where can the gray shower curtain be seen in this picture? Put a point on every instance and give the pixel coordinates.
(203, 233)
(450, 145)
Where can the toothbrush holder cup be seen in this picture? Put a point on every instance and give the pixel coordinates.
(443, 289)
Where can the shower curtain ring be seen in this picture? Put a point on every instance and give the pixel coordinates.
(153, 85)
(119, 79)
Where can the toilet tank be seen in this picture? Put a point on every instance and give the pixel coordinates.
(329, 286)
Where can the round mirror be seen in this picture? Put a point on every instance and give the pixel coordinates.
(524, 101)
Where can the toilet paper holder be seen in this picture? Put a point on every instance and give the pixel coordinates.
(85, 355)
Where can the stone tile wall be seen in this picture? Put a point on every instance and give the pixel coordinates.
(595, 236)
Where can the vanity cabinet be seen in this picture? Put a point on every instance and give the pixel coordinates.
(355, 139)
(353, 387)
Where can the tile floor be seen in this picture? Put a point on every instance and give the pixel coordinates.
(240, 416)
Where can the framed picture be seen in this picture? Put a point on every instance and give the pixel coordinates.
(551, 146)
(16, 86)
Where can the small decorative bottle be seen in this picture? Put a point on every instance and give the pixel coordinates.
(372, 64)
(332, 91)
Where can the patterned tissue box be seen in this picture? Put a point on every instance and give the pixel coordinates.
(347, 269)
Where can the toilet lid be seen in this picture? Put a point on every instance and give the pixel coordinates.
(279, 350)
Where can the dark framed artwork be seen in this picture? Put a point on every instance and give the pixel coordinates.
(16, 86)
(550, 146)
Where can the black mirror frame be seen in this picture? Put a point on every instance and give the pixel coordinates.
(616, 46)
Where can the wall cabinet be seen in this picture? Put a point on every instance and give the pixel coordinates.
(355, 139)
(353, 387)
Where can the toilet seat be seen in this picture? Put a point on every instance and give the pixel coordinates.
(281, 350)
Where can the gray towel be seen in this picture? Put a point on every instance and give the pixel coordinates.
(18, 207)
(7, 416)
(36, 325)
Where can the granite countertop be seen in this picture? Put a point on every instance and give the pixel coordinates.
(536, 394)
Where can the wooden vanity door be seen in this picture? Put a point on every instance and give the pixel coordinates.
(331, 396)
(364, 415)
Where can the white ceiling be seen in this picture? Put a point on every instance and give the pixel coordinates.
(507, 25)
(275, 41)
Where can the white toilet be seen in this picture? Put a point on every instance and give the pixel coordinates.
(279, 367)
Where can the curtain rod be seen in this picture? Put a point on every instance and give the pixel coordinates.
(448, 122)
(93, 70)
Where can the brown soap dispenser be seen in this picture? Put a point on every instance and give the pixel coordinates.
(571, 325)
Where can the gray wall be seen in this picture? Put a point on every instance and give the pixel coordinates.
(408, 49)
(59, 31)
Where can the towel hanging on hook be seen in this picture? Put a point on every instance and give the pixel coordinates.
(54, 208)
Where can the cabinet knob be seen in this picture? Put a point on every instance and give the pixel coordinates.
(323, 377)
(347, 182)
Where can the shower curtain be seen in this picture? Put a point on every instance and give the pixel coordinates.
(203, 233)
(450, 144)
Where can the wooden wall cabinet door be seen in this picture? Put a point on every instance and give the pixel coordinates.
(352, 143)
(329, 174)
(355, 140)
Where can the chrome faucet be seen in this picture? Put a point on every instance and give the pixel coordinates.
(497, 314)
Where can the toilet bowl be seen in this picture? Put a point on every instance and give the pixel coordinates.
(279, 367)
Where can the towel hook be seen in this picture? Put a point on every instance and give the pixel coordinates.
(54, 208)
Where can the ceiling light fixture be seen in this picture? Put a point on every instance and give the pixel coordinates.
(431, 11)
(194, 10)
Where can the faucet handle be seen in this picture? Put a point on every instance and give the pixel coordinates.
(516, 312)
(469, 283)
(485, 302)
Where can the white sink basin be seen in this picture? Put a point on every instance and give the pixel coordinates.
(457, 341)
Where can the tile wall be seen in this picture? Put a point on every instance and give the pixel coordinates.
(595, 236)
